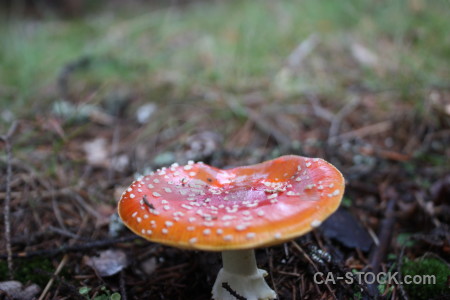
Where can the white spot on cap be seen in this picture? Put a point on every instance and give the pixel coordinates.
(166, 207)
(316, 223)
(132, 196)
(272, 196)
(231, 210)
(150, 186)
(149, 231)
(308, 164)
(165, 231)
(186, 206)
(134, 214)
(207, 231)
(250, 235)
(129, 189)
(193, 240)
(277, 235)
(190, 228)
(260, 213)
(219, 231)
(139, 220)
(156, 180)
(192, 174)
(187, 167)
(241, 227)
(168, 190)
(228, 237)
(168, 223)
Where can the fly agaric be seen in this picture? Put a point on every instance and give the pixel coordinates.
(200, 207)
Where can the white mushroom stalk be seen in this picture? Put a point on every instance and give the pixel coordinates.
(242, 276)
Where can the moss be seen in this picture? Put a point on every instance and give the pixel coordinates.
(32, 270)
(427, 266)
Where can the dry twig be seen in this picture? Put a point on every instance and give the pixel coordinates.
(259, 121)
(50, 282)
(385, 235)
(62, 263)
(339, 117)
(7, 205)
(233, 293)
(123, 290)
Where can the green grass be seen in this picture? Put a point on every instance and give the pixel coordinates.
(231, 45)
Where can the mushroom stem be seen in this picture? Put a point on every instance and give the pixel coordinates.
(239, 261)
(242, 276)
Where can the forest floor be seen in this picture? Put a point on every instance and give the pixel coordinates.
(90, 102)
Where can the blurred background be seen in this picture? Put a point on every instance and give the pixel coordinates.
(93, 93)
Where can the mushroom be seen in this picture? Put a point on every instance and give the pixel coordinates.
(234, 211)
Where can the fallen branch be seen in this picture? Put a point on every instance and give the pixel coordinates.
(73, 248)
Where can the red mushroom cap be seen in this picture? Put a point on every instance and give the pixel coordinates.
(197, 206)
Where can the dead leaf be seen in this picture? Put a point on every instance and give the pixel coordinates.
(108, 263)
(345, 228)
(97, 152)
(15, 290)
